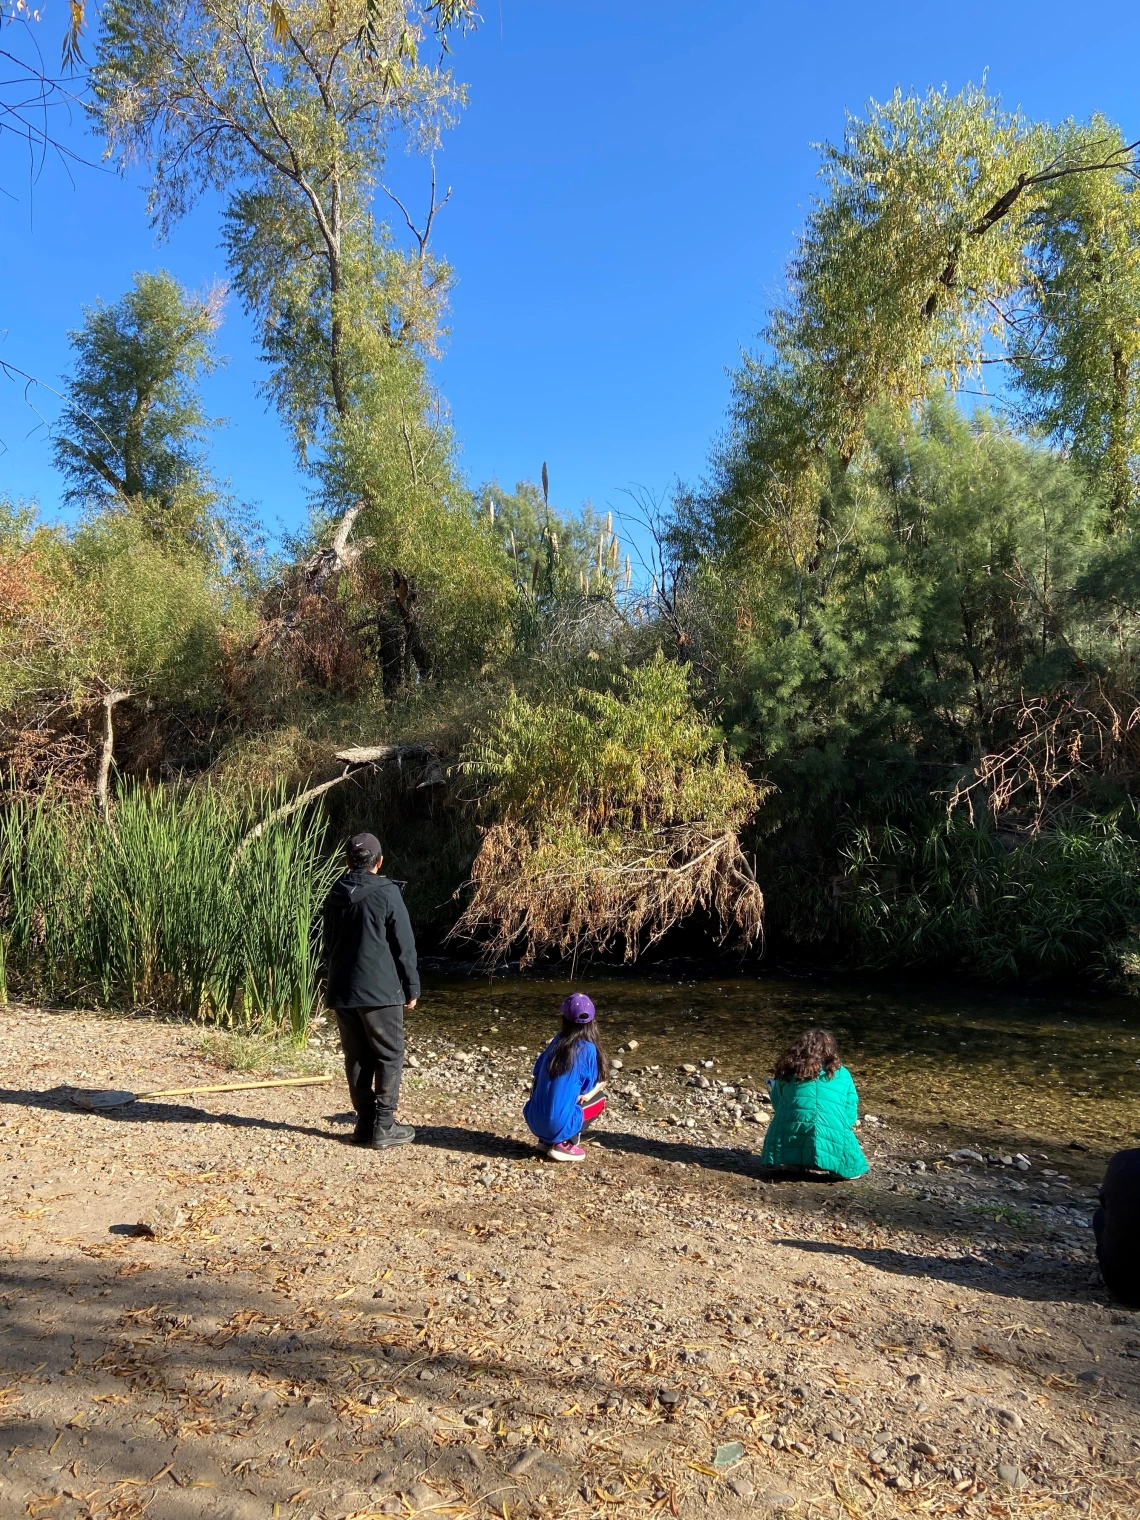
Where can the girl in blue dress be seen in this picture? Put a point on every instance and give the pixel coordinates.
(568, 1076)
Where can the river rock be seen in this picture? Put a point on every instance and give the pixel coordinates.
(161, 1221)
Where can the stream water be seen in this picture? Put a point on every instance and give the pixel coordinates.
(993, 1067)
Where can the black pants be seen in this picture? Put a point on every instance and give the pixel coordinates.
(1120, 1268)
(373, 1043)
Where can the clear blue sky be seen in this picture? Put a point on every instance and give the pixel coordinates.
(627, 183)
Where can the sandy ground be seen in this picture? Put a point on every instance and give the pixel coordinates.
(459, 1327)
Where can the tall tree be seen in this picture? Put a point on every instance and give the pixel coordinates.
(913, 264)
(131, 431)
(287, 111)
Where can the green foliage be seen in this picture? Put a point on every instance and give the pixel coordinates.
(638, 756)
(289, 119)
(894, 286)
(551, 554)
(891, 613)
(131, 431)
(168, 909)
(615, 817)
(1076, 349)
(952, 233)
(107, 606)
(944, 893)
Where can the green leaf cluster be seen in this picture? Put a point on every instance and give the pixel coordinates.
(637, 755)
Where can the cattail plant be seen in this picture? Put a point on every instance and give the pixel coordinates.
(176, 908)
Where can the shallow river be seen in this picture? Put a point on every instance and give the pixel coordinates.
(994, 1067)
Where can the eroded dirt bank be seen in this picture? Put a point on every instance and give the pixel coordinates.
(459, 1327)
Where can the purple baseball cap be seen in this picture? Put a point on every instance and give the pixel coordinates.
(578, 1009)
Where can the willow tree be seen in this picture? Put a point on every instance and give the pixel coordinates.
(287, 112)
(915, 261)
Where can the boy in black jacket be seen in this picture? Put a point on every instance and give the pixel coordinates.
(371, 978)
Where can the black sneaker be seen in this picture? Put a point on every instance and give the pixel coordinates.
(384, 1135)
(365, 1125)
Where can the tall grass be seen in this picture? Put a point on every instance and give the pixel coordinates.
(166, 910)
(944, 893)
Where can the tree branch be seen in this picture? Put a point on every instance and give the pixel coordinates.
(106, 752)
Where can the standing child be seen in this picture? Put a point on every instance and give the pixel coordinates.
(814, 1110)
(568, 1076)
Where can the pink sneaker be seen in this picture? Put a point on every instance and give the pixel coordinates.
(566, 1150)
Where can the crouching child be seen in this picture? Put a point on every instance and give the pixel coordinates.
(568, 1078)
(814, 1112)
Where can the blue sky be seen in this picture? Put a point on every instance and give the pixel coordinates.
(627, 183)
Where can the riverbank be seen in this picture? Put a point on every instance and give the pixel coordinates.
(459, 1327)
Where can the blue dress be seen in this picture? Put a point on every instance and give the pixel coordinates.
(553, 1113)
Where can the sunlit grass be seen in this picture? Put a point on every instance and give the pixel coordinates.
(170, 909)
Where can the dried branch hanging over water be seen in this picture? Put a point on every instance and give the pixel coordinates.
(562, 893)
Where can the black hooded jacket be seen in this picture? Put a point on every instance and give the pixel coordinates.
(369, 948)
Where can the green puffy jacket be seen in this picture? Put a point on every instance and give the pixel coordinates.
(812, 1125)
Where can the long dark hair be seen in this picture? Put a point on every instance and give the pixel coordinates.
(815, 1051)
(561, 1057)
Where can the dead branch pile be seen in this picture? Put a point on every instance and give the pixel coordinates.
(1062, 742)
(577, 891)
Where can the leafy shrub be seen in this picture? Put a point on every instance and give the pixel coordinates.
(615, 817)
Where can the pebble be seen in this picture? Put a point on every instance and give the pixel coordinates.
(1010, 1419)
(924, 1448)
(879, 1455)
(836, 1435)
(1013, 1476)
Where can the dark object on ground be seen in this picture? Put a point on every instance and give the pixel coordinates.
(1116, 1225)
(385, 1135)
(373, 1043)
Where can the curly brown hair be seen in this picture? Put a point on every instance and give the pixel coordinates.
(814, 1052)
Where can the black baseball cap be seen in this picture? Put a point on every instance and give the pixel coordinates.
(365, 845)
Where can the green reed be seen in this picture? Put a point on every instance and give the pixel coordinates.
(172, 908)
(943, 892)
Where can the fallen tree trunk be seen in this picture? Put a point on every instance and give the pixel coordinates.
(354, 759)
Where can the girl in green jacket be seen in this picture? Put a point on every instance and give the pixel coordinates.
(814, 1109)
